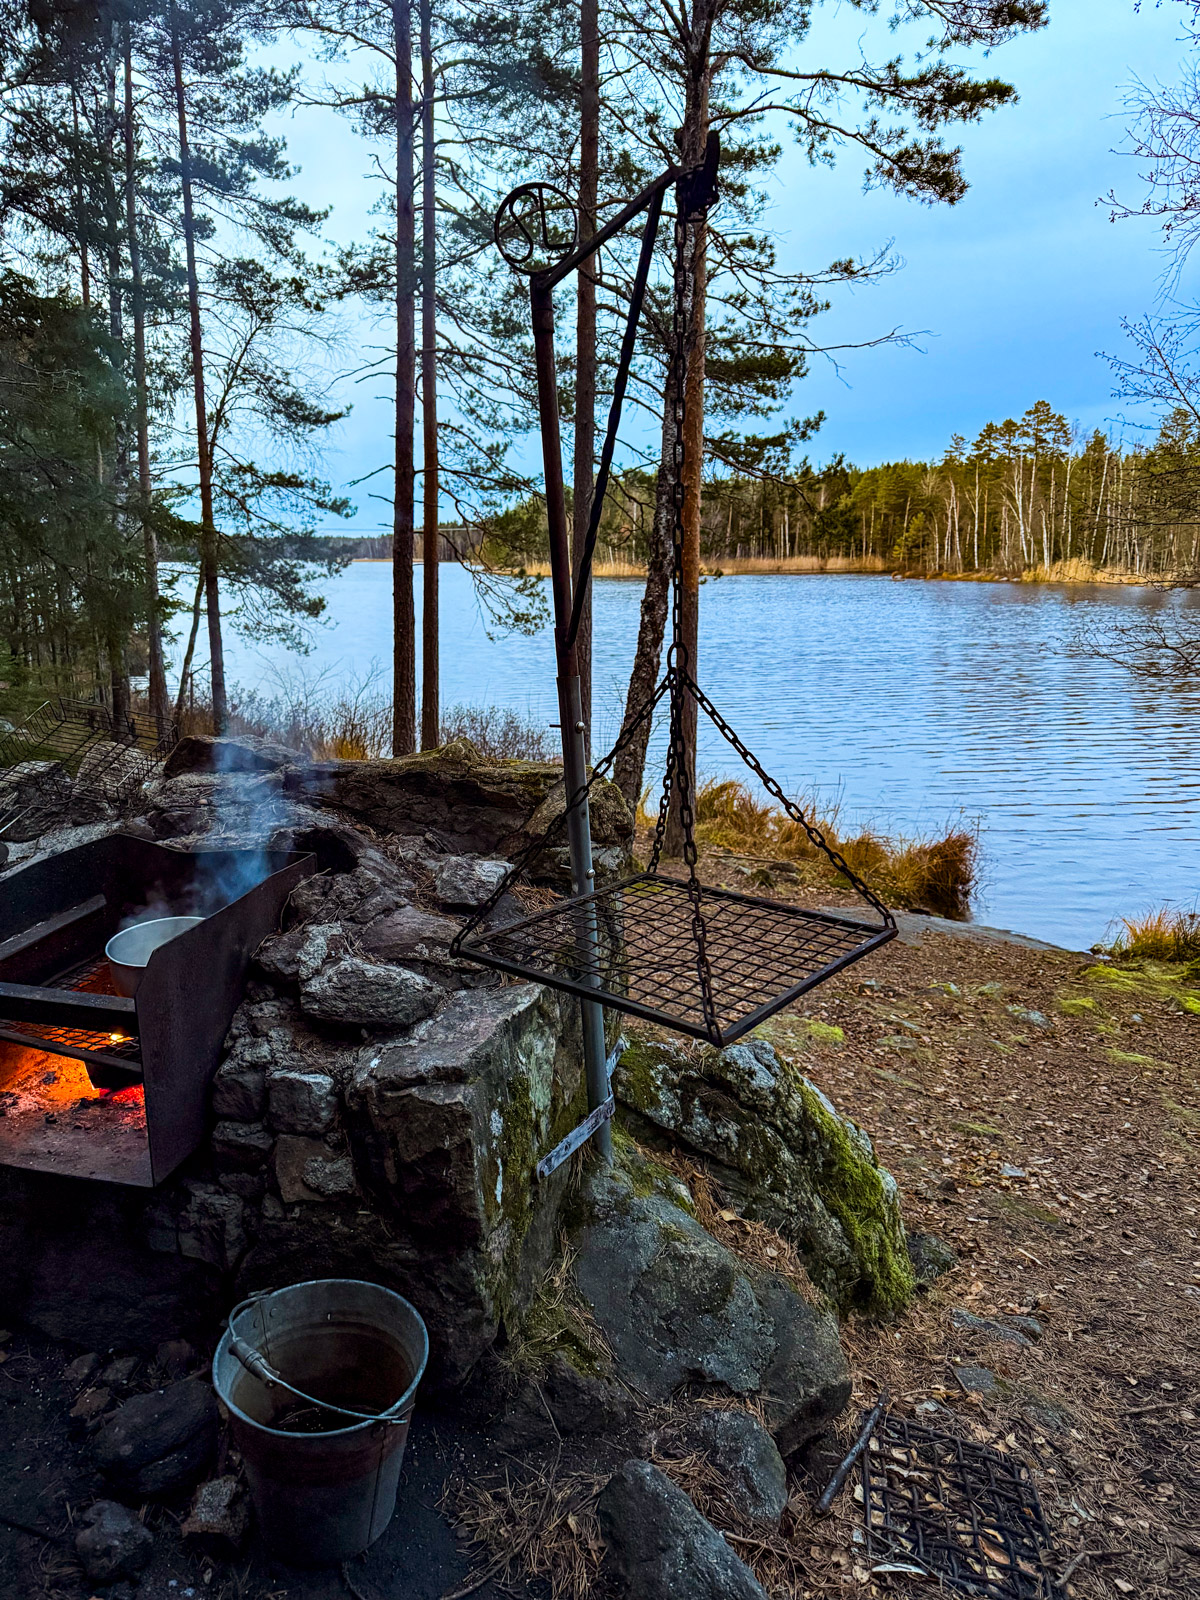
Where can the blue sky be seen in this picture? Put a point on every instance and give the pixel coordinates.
(1011, 294)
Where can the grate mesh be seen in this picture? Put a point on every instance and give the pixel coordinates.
(761, 954)
(107, 760)
(968, 1515)
(90, 977)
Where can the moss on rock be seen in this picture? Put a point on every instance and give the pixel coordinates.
(781, 1153)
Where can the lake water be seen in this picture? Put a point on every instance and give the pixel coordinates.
(912, 706)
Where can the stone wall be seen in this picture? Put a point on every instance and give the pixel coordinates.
(380, 1107)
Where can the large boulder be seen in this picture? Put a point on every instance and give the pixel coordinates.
(680, 1311)
(781, 1153)
(367, 994)
(199, 752)
(430, 1186)
(657, 1546)
(471, 803)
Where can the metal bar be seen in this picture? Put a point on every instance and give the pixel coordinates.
(67, 1008)
(42, 930)
(579, 837)
(628, 342)
(51, 1047)
(592, 1123)
(554, 275)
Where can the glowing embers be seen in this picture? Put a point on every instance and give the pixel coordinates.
(54, 1119)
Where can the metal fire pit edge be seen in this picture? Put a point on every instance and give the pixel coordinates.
(192, 985)
(185, 1003)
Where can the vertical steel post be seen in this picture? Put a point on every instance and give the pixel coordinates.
(579, 834)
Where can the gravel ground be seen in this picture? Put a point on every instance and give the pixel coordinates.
(1042, 1115)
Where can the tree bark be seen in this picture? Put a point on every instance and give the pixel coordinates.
(157, 672)
(630, 766)
(208, 528)
(185, 670)
(694, 136)
(404, 665)
(85, 281)
(118, 631)
(430, 708)
(585, 337)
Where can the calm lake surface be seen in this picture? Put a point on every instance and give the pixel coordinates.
(909, 706)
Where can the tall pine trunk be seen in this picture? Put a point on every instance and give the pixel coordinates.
(208, 527)
(694, 136)
(430, 709)
(118, 635)
(585, 334)
(630, 765)
(404, 665)
(157, 673)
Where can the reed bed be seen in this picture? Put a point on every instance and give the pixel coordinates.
(1162, 935)
(355, 724)
(934, 875)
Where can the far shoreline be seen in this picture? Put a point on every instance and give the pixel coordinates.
(1071, 574)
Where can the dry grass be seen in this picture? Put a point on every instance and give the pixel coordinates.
(501, 734)
(934, 875)
(558, 1320)
(538, 1526)
(1163, 935)
(353, 722)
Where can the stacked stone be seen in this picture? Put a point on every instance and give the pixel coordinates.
(381, 1106)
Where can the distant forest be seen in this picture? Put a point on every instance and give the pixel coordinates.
(1027, 496)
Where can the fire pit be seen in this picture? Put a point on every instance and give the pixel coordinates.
(97, 1084)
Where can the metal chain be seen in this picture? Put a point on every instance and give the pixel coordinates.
(557, 824)
(676, 780)
(791, 809)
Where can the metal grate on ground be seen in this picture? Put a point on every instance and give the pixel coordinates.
(761, 954)
(66, 731)
(968, 1515)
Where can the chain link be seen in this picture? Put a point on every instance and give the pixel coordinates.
(791, 809)
(677, 684)
(557, 824)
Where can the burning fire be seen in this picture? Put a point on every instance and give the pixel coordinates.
(59, 1084)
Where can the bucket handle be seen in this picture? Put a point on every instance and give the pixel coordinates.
(259, 1367)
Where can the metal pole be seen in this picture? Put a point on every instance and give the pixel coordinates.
(579, 835)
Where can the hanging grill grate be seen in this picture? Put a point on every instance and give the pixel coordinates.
(761, 954)
(108, 759)
(705, 961)
(968, 1515)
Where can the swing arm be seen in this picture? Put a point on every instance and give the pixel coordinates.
(696, 189)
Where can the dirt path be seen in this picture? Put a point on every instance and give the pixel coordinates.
(1043, 1117)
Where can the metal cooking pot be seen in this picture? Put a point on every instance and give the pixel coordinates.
(129, 950)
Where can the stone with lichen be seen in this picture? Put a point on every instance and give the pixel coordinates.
(677, 1310)
(781, 1153)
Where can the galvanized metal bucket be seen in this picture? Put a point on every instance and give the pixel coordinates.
(319, 1381)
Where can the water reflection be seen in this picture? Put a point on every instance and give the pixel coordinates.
(908, 705)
